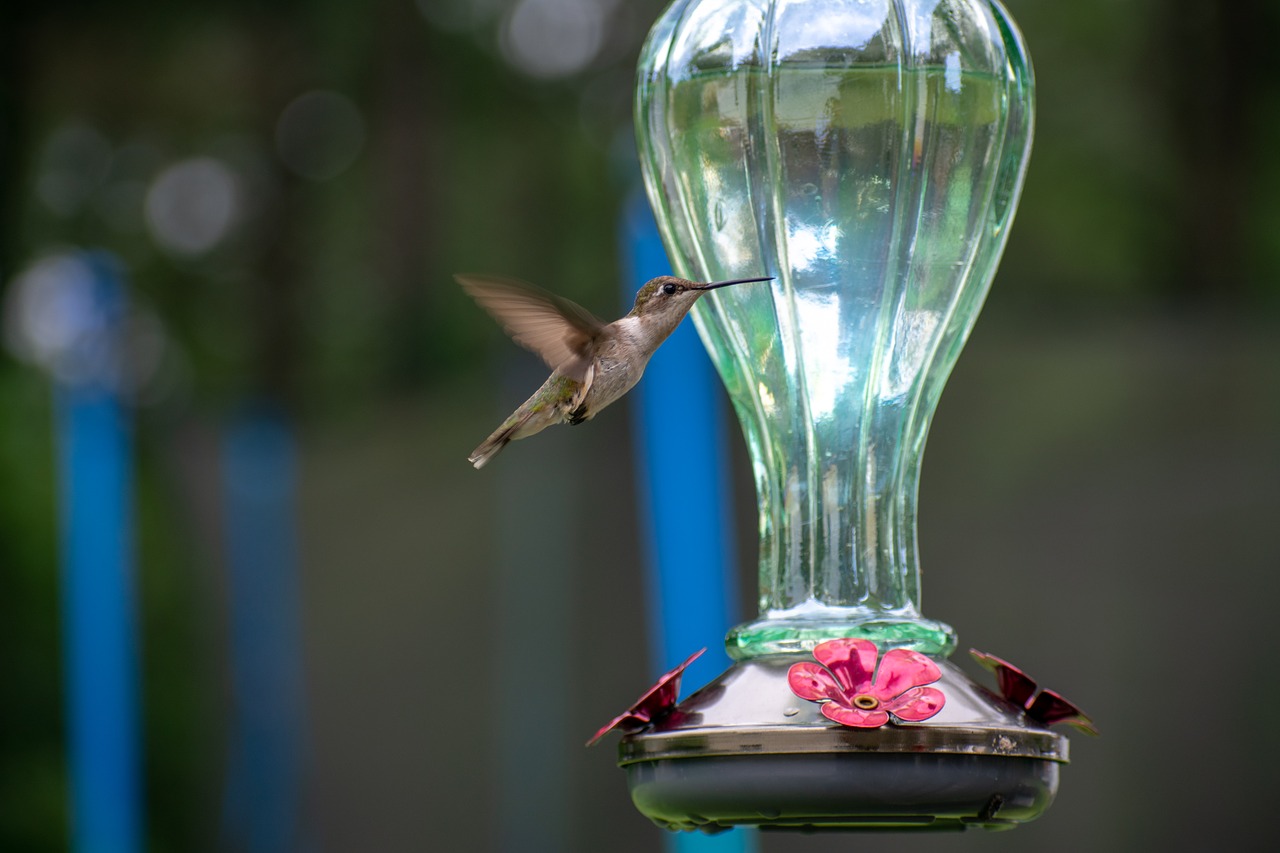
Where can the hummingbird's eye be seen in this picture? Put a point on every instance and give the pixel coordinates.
(669, 289)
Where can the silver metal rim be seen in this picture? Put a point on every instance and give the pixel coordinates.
(840, 740)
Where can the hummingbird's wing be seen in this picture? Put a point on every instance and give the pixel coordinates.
(560, 332)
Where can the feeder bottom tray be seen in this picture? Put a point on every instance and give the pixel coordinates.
(745, 751)
(816, 791)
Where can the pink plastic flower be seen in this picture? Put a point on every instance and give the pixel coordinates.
(1046, 707)
(654, 704)
(854, 692)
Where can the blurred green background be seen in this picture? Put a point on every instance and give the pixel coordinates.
(1101, 484)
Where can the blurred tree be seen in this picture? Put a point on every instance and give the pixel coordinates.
(1213, 63)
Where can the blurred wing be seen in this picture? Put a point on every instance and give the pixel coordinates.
(560, 332)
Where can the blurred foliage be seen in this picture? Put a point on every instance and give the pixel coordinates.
(333, 288)
(1151, 188)
(32, 777)
(329, 294)
(1151, 177)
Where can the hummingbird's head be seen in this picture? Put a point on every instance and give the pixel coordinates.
(666, 299)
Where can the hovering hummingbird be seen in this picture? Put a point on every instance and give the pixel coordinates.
(592, 362)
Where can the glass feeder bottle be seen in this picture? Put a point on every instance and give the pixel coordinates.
(869, 154)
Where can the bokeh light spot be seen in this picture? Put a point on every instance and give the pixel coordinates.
(553, 38)
(319, 134)
(73, 163)
(458, 15)
(192, 205)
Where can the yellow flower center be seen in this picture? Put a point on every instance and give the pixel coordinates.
(866, 702)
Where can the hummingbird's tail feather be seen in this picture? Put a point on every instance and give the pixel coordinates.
(544, 408)
(493, 445)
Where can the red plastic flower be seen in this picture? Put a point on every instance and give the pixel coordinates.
(654, 704)
(854, 692)
(1046, 707)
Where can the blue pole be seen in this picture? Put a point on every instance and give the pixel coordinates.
(99, 632)
(684, 502)
(259, 483)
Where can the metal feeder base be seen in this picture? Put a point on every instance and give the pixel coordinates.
(745, 751)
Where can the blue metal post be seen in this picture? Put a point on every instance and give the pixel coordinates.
(259, 481)
(684, 501)
(99, 625)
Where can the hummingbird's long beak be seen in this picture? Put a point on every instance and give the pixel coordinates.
(713, 285)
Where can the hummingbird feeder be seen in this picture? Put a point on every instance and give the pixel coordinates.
(869, 154)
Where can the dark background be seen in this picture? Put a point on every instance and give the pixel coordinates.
(1098, 500)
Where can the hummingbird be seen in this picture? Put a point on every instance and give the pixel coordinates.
(592, 363)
